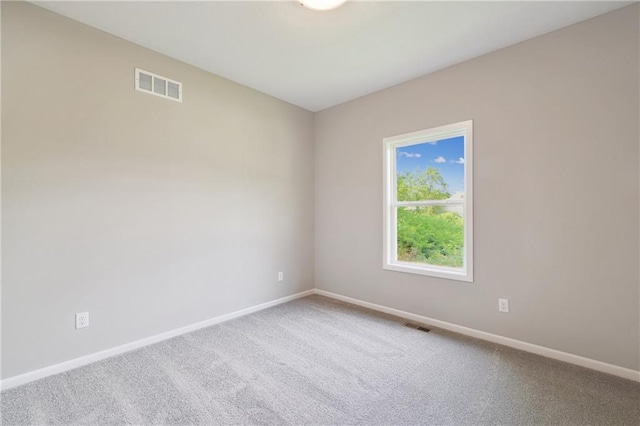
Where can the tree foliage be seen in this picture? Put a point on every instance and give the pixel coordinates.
(425, 236)
(422, 185)
(428, 234)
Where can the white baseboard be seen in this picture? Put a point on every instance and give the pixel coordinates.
(97, 356)
(593, 364)
(506, 341)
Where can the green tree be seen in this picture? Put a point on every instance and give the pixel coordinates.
(428, 234)
(430, 237)
(422, 185)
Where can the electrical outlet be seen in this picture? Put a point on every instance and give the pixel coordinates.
(281, 276)
(82, 320)
(503, 305)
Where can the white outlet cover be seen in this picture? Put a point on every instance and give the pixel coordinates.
(280, 276)
(82, 320)
(503, 305)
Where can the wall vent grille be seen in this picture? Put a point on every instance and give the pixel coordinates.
(158, 85)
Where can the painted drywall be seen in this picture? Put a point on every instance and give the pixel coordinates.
(147, 213)
(556, 191)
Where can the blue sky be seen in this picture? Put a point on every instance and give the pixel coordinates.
(446, 155)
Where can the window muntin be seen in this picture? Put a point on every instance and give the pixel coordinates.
(428, 202)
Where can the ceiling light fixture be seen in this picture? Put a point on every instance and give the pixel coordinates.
(321, 4)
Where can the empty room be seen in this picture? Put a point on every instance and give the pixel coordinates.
(320, 212)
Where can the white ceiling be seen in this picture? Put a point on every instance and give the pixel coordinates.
(320, 59)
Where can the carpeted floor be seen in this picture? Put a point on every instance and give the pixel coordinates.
(317, 361)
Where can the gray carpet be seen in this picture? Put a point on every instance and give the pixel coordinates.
(317, 361)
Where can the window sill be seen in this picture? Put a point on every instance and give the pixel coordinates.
(446, 273)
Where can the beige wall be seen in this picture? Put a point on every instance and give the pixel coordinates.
(153, 215)
(556, 191)
(148, 213)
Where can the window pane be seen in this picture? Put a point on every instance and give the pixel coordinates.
(430, 170)
(432, 235)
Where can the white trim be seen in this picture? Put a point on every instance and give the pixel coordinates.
(448, 202)
(390, 202)
(433, 134)
(435, 271)
(592, 364)
(97, 356)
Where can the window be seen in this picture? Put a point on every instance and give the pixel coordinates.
(428, 202)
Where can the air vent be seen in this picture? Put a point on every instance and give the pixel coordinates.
(416, 326)
(157, 85)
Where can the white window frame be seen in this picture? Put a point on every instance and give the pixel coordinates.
(152, 92)
(390, 243)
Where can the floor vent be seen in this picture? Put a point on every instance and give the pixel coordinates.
(416, 326)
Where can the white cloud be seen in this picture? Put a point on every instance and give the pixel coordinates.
(459, 161)
(440, 159)
(409, 154)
